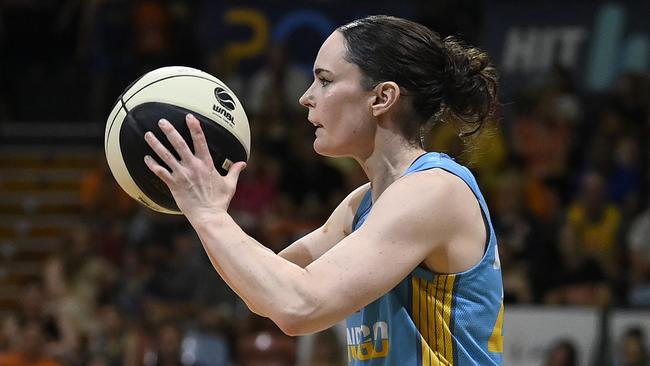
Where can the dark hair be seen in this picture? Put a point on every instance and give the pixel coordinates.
(447, 80)
(634, 332)
(570, 351)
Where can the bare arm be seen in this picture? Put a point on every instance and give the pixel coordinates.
(417, 216)
(339, 225)
(363, 266)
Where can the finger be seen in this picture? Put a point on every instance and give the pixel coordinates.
(175, 138)
(158, 170)
(235, 170)
(198, 139)
(161, 150)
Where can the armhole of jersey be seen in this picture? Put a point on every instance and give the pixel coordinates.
(488, 231)
(363, 207)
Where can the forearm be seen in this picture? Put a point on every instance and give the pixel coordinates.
(269, 284)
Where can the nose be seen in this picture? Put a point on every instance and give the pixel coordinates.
(307, 98)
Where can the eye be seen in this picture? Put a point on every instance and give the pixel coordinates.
(324, 82)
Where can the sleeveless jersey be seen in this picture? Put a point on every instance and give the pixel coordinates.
(432, 319)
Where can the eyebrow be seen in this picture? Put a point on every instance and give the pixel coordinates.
(319, 70)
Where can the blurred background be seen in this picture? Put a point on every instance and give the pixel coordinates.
(90, 277)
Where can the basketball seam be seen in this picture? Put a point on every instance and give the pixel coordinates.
(121, 98)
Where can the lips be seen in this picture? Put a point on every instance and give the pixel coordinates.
(316, 124)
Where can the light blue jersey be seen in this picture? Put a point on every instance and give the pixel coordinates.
(432, 319)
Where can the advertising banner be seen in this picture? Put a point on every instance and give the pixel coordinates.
(594, 41)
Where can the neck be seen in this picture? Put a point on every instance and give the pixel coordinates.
(387, 162)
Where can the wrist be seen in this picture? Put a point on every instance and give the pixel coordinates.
(209, 218)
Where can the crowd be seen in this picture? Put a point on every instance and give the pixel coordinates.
(565, 175)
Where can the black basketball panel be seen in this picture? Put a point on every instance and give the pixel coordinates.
(144, 117)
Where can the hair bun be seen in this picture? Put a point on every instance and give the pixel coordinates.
(471, 86)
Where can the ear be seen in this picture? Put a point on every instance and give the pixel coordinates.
(386, 95)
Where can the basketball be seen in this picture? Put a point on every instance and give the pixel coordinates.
(172, 93)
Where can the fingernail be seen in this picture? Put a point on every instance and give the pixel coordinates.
(188, 116)
(162, 122)
(147, 158)
(147, 134)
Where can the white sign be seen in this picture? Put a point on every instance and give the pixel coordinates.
(529, 332)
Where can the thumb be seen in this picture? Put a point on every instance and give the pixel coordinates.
(235, 170)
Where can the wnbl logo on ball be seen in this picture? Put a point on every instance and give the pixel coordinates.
(226, 102)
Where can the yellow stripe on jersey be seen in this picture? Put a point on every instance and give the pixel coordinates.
(431, 310)
(495, 343)
(424, 326)
(439, 292)
(449, 288)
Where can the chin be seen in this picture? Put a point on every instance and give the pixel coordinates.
(324, 150)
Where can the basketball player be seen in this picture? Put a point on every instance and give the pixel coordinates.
(409, 260)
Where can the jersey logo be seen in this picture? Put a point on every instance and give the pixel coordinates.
(366, 344)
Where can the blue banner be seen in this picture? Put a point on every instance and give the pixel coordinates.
(244, 30)
(594, 41)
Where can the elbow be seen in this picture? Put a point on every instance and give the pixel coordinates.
(290, 327)
(298, 320)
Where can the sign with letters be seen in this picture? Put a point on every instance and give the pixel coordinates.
(593, 41)
(244, 30)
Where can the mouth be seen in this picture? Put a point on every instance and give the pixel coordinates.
(316, 124)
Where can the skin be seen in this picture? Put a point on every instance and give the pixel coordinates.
(441, 227)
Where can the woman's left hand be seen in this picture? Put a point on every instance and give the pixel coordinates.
(198, 188)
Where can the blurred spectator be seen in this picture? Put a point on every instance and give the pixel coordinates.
(279, 81)
(166, 350)
(638, 256)
(152, 35)
(487, 155)
(562, 353)
(182, 281)
(576, 279)
(630, 95)
(542, 139)
(595, 222)
(257, 189)
(129, 287)
(76, 277)
(59, 337)
(633, 349)
(625, 177)
(31, 348)
(113, 343)
(525, 246)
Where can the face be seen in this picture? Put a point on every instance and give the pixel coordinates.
(338, 105)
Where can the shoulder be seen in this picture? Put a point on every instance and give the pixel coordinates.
(433, 188)
(431, 201)
(433, 213)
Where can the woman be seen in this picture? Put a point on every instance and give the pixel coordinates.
(410, 259)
